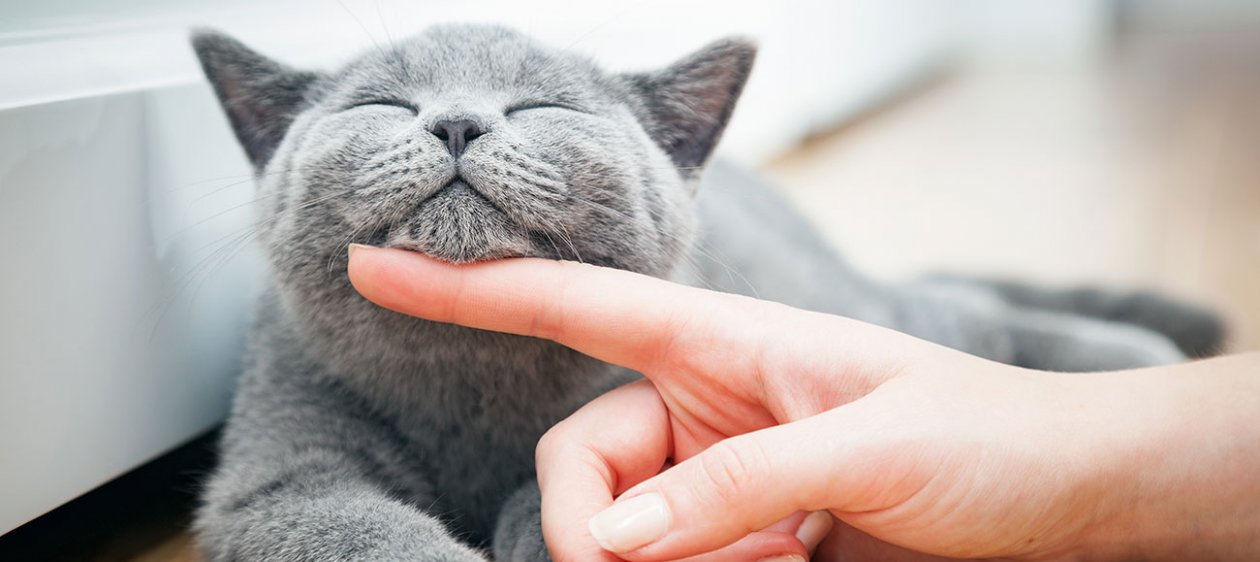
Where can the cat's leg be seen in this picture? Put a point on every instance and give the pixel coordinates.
(1063, 342)
(975, 320)
(518, 534)
(1197, 331)
(309, 475)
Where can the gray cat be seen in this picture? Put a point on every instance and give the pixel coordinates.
(359, 434)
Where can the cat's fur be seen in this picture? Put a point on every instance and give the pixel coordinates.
(359, 434)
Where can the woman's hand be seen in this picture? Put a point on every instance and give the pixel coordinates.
(758, 414)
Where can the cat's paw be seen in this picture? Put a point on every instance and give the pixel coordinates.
(525, 548)
(449, 555)
(518, 535)
(1197, 331)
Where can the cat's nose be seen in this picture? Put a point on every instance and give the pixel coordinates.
(456, 134)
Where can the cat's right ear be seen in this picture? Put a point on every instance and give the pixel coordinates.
(685, 106)
(260, 96)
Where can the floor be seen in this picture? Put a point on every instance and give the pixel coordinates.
(1138, 170)
(175, 549)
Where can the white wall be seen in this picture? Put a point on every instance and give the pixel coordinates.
(819, 60)
(1035, 32)
(1180, 15)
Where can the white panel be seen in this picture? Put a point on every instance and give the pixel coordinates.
(117, 341)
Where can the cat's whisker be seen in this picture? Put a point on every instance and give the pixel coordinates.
(358, 21)
(546, 234)
(222, 188)
(568, 239)
(183, 282)
(589, 32)
(225, 257)
(201, 182)
(383, 218)
(247, 204)
(224, 249)
(241, 179)
(696, 245)
(236, 178)
(380, 16)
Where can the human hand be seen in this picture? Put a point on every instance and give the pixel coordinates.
(765, 411)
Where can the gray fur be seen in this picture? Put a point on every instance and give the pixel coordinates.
(361, 434)
(1198, 332)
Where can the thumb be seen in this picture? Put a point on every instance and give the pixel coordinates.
(735, 487)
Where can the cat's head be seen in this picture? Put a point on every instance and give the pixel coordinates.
(475, 142)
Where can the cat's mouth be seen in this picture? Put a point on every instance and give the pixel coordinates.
(460, 224)
(459, 183)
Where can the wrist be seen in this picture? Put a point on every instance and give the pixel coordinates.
(1173, 454)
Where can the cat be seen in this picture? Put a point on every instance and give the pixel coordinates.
(359, 434)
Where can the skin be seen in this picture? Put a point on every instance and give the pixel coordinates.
(753, 413)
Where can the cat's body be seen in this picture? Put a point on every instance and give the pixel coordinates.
(362, 434)
(752, 242)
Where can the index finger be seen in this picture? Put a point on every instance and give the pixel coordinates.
(617, 316)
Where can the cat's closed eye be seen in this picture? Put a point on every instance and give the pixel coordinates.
(386, 103)
(533, 105)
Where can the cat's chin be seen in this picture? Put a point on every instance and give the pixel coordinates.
(459, 225)
(459, 255)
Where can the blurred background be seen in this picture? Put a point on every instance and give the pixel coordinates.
(1102, 142)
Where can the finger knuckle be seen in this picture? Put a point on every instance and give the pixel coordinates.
(550, 320)
(552, 443)
(734, 468)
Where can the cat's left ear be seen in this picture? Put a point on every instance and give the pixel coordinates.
(686, 106)
(260, 96)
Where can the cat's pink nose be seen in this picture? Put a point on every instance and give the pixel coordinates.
(456, 134)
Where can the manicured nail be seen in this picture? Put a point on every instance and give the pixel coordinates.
(784, 558)
(632, 523)
(813, 529)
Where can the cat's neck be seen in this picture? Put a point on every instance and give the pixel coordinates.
(444, 371)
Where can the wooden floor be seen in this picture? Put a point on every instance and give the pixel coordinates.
(1143, 169)
(1139, 170)
(178, 548)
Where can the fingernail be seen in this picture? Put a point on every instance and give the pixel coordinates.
(351, 248)
(631, 524)
(813, 529)
(784, 558)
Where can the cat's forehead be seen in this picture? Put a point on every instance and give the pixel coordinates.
(475, 57)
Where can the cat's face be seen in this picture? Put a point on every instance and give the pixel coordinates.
(471, 143)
